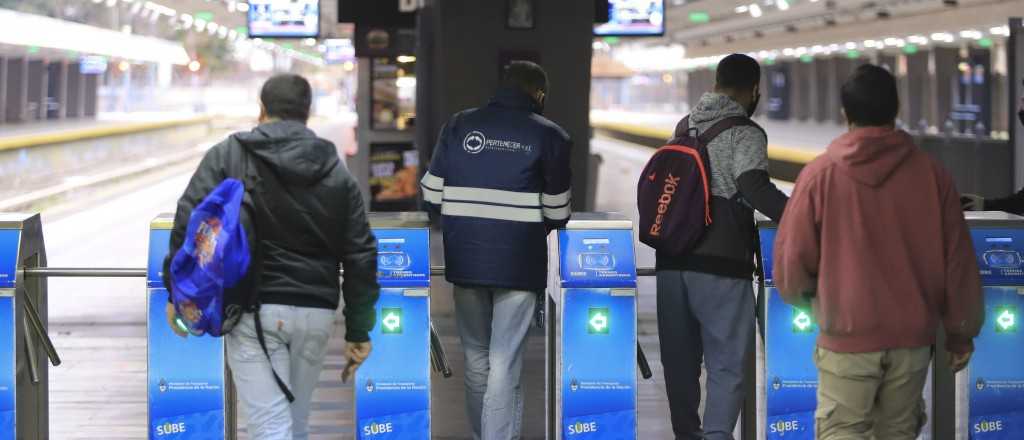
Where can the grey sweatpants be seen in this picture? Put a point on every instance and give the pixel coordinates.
(709, 318)
(297, 341)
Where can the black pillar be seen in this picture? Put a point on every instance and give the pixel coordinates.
(17, 88)
(36, 97)
(471, 38)
(57, 89)
(76, 89)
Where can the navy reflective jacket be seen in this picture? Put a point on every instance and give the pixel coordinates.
(500, 178)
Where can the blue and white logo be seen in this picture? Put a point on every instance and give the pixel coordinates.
(475, 142)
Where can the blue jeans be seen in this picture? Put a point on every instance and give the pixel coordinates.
(710, 319)
(296, 338)
(493, 324)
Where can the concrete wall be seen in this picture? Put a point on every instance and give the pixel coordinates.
(460, 42)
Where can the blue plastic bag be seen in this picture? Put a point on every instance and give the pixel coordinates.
(214, 257)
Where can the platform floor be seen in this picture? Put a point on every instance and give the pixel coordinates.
(99, 324)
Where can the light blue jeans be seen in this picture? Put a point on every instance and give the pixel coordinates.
(296, 338)
(493, 324)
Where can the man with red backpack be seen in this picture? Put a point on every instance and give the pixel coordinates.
(705, 294)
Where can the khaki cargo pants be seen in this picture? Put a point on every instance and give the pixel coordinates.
(871, 396)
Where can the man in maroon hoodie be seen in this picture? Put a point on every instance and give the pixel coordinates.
(874, 239)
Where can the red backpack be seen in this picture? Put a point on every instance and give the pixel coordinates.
(674, 192)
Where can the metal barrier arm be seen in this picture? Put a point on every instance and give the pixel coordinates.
(36, 324)
(438, 357)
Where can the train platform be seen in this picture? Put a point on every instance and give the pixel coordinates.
(791, 144)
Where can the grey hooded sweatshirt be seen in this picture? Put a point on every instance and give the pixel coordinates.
(739, 184)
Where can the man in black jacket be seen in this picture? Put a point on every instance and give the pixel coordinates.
(313, 219)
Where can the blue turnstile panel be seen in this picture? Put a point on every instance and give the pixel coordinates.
(999, 252)
(597, 371)
(393, 386)
(791, 379)
(996, 372)
(7, 368)
(996, 379)
(597, 258)
(392, 389)
(9, 243)
(186, 376)
(598, 381)
(403, 257)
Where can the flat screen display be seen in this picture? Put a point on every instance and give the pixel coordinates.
(284, 18)
(633, 18)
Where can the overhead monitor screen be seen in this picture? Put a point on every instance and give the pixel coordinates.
(284, 18)
(633, 18)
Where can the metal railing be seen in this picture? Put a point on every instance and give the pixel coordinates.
(438, 356)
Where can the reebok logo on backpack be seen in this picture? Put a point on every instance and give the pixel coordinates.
(674, 193)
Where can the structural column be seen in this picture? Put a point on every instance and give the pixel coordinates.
(824, 83)
(17, 86)
(944, 68)
(37, 82)
(3, 90)
(91, 94)
(57, 91)
(75, 91)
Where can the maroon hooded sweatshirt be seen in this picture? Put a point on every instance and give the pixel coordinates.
(875, 234)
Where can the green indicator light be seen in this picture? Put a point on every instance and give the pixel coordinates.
(611, 40)
(769, 61)
(391, 320)
(242, 30)
(181, 324)
(287, 45)
(33, 49)
(204, 15)
(700, 17)
(910, 49)
(985, 42)
(597, 321)
(807, 59)
(802, 322)
(1006, 319)
(853, 54)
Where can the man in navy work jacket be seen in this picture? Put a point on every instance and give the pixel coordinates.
(500, 179)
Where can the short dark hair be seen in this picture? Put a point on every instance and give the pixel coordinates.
(737, 72)
(287, 96)
(870, 97)
(526, 75)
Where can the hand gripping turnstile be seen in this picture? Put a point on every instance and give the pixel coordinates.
(990, 392)
(188, 387)
(392, 389)
(591, 330)
(24, 343)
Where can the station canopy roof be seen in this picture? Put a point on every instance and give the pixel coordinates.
(20, 29)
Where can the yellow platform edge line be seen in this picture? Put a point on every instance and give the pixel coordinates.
(775, 152)
(35, 140)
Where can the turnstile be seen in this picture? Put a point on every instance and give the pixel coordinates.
(790, 377)
(591, 330)
(990, 392)
(392, 388)
(24, 344)
(188, 387)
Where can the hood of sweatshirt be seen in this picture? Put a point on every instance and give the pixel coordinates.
(870, 155)
(292, 151)
(713, 107)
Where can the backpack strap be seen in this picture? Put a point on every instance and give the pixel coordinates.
(726, 124)
(259, 224)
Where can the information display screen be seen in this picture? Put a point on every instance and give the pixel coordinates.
(633, 18)
(284, 18)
